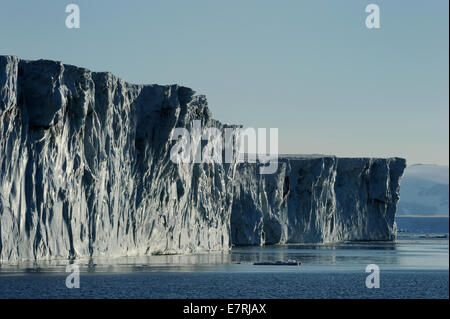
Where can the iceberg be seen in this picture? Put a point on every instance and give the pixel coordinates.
(85, 171)
(317, 200)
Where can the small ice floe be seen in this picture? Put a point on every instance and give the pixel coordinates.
(434, 236)
(290, 262)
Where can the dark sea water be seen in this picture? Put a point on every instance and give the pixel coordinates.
(422, 226)
(416, 265)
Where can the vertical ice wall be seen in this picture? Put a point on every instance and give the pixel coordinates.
(85, 170)
(317, 199)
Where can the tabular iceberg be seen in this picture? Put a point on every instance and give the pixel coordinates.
(85, 170)
(316, 199)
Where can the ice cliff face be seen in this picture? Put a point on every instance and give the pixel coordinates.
(317, 199)
(85, 170)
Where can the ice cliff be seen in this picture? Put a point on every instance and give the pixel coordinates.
(316, 199)
(85, 170)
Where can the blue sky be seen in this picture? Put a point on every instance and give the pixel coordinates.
(310, 68)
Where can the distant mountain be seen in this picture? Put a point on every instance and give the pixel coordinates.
(424, 190)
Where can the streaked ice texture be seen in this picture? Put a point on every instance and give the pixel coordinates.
(85, 170)
(317, 199)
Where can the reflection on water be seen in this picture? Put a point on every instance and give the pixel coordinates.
(403, 254)
(320, 255)
(411, 267)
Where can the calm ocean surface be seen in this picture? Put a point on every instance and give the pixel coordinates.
(415, 266)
